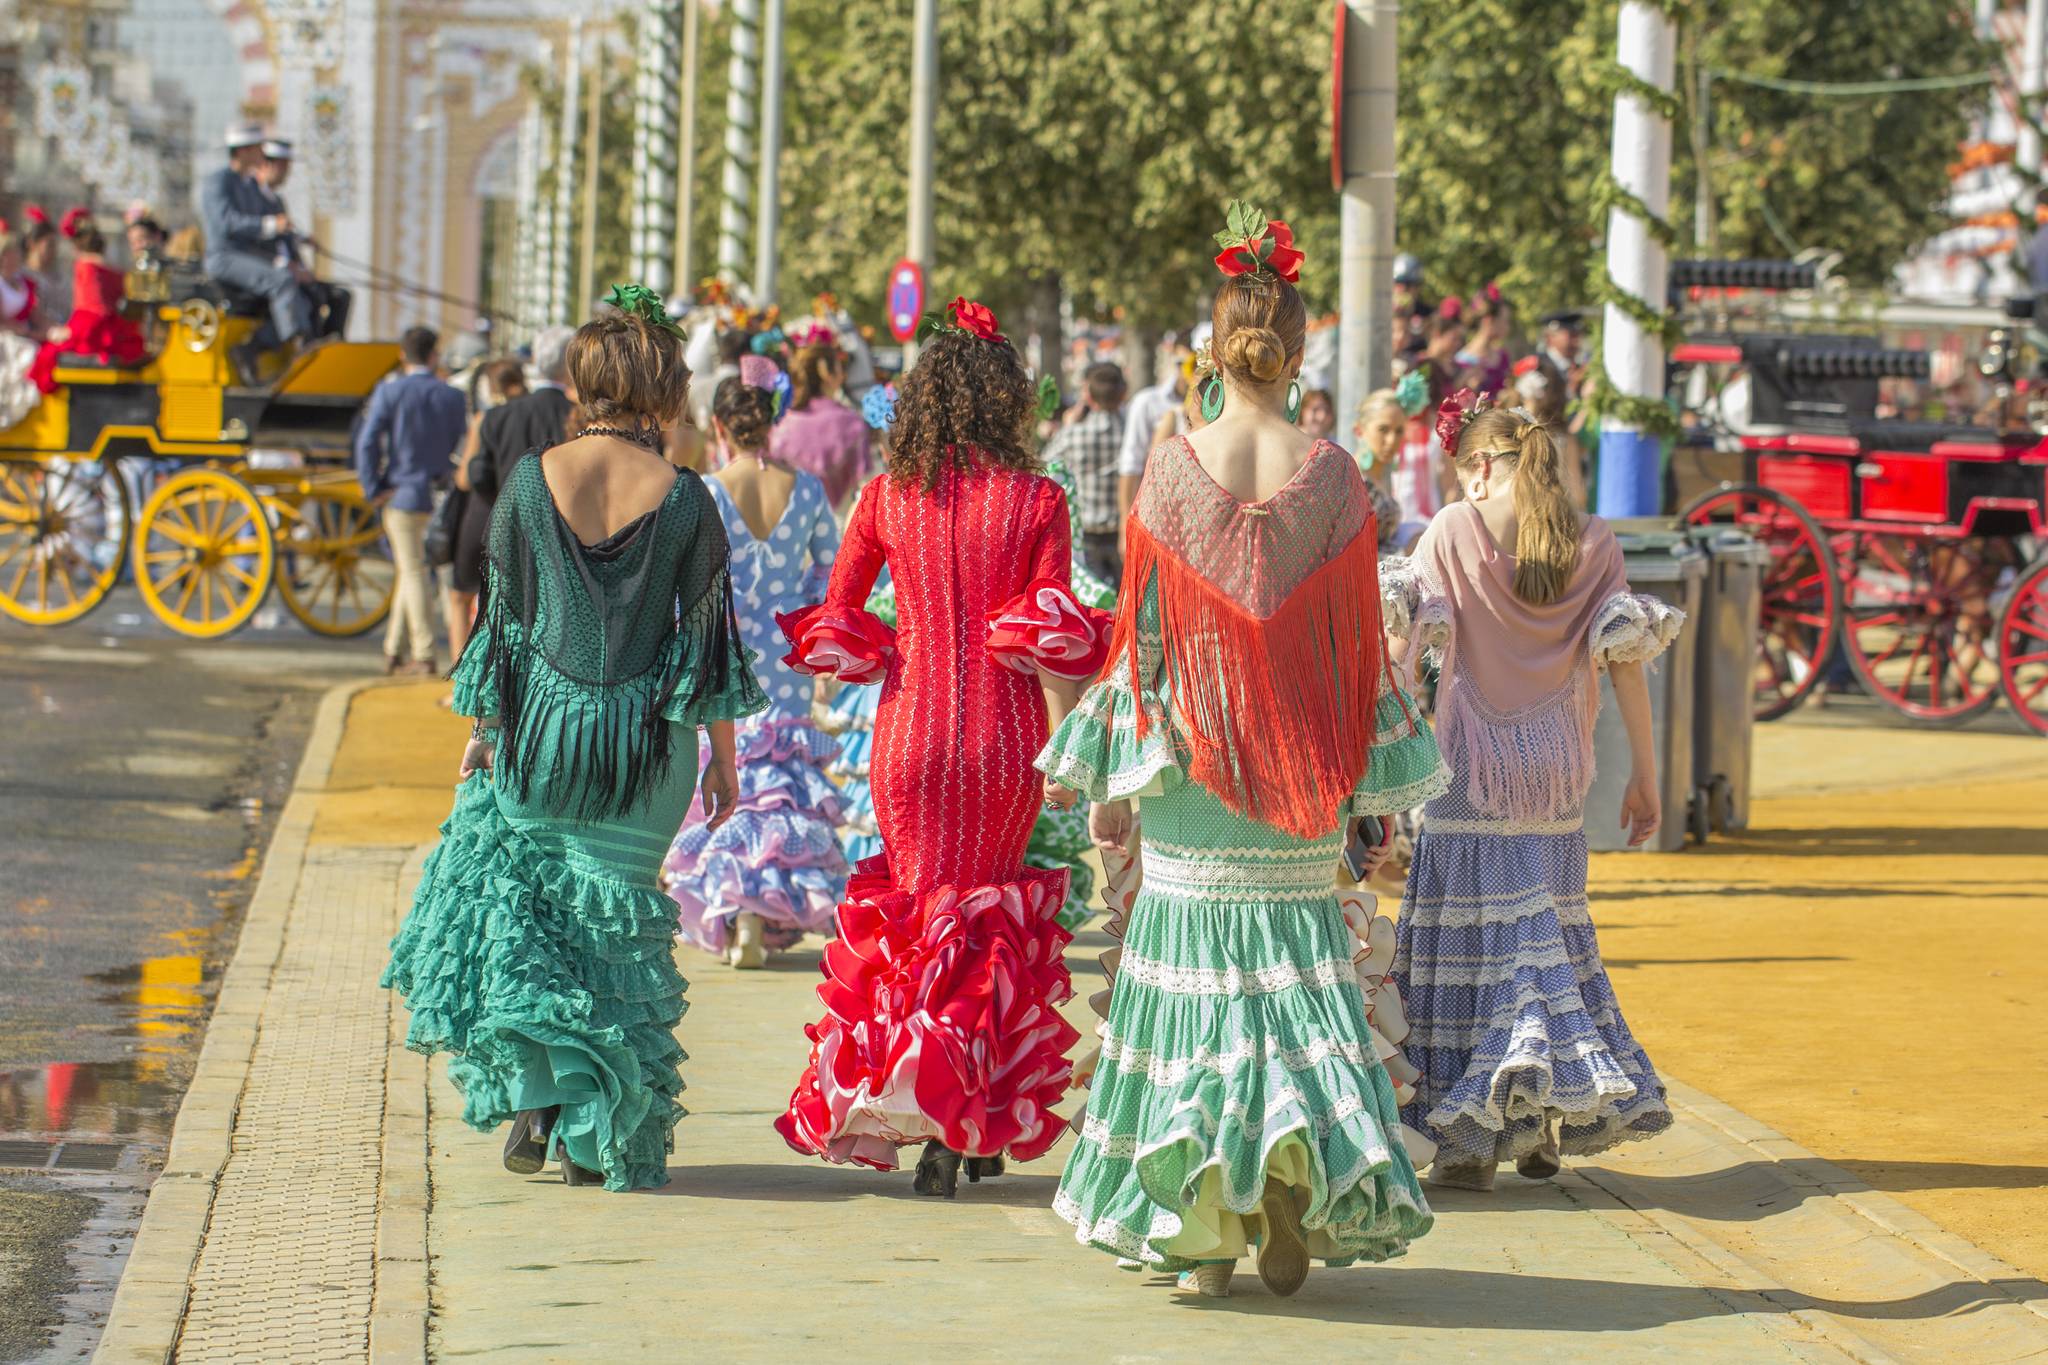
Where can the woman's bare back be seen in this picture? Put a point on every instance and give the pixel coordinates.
(1253, 457)
(761, 490)
(601, 485)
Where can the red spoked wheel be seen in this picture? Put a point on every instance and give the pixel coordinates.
(1801, 614)
(1919, 622)
(2023, 647)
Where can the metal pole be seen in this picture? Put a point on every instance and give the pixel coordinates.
(1365, 351)
(565, 176)
(924, 99)
(767, 197)
(1706, 232)
(686, 152)
(739, 139)
(593, 137)
(2028, 156)
(1631, 461)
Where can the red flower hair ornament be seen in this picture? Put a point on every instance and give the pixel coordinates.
(1451, 415)
(1254, 245)
(72, 220)
(977, 320)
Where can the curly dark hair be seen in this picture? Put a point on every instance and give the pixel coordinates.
(963, 393)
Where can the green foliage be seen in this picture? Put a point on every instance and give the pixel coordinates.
(1096, 142)
(1506, 113)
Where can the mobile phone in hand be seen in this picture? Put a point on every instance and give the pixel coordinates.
(1362, 837)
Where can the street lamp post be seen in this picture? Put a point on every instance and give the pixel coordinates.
(1365, 353)
(924, 97)
(1631, 460)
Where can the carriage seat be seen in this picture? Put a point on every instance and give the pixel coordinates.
(232, 302)
(1912, 436)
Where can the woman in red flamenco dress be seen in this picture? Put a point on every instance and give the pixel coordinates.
(96, 327)
(941, 991)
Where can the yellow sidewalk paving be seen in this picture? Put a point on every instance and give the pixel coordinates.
(1823, 984)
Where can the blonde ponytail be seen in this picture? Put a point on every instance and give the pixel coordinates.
(1546, 525)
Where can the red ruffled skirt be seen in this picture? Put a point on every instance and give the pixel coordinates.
(107, 337)
(941, 1021)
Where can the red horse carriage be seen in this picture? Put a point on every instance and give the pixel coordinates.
(1912, 548)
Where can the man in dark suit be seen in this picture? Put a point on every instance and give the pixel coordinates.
(330, 301)
(242, 242)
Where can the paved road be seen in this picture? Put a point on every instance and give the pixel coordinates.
(139, 776)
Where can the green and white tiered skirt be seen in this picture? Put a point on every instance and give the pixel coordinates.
(1237, 1046)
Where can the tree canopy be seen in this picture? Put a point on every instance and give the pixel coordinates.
(1094, 142)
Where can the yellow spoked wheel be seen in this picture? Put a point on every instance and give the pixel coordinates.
(335, 570)
(62, 528)
(204, 556)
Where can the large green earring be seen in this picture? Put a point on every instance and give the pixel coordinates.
(1212, 399)
(1294, 400)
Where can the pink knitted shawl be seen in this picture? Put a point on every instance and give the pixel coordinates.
(1516, 707)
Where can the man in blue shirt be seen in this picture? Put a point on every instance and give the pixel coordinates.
(406, 447)
(243, 235)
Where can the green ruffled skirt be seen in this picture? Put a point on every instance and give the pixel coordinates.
(1237, 1047)
(540, 952)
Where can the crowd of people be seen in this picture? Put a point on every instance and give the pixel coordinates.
(1177, 621)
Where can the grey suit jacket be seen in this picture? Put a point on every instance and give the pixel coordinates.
(233, 208)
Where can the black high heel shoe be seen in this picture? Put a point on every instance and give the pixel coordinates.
(938, 1171)
(526, 1146)
(572, 1174)
(980, 1166)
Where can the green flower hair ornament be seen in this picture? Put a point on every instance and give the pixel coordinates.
(637, 300)
(1412, 393)
(1048, 398)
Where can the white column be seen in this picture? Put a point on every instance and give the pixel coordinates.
(2028, 155)
(767, 196)
(686, 154)
(739, 138)
(656, 109)
(1631, 460)
(566, 137)
(1365, 352)
(527, 226)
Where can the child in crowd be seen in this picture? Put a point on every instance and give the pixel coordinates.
(1522, 1046)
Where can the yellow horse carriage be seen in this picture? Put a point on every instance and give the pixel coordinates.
(238, 487)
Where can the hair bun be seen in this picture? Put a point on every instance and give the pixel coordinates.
(1255, 353)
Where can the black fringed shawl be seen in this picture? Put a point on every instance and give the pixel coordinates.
(587, 653)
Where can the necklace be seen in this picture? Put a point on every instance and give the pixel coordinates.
(649, 437)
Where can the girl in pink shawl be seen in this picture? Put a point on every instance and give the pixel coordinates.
(1521, 1044)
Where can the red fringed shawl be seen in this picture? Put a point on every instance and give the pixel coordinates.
(1278, 708)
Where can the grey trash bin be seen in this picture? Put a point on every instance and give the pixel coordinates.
(1724, 719)
(1662, 562)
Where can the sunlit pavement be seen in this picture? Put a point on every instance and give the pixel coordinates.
(1789, 981)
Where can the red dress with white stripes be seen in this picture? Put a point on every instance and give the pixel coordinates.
(941, 989)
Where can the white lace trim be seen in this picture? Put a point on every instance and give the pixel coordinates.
(1408, 796)
(1172, 1071)
(1467, 912)
(1280, 976)
(1412, 606)
(1632, 628)
(1282, 1103)
(1322, 851)
(1573, 825)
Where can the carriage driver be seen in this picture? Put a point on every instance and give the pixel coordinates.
(330, 301)
(243, 237)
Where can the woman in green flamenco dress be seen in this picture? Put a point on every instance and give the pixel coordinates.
(539, 951)
(1240, 1098)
